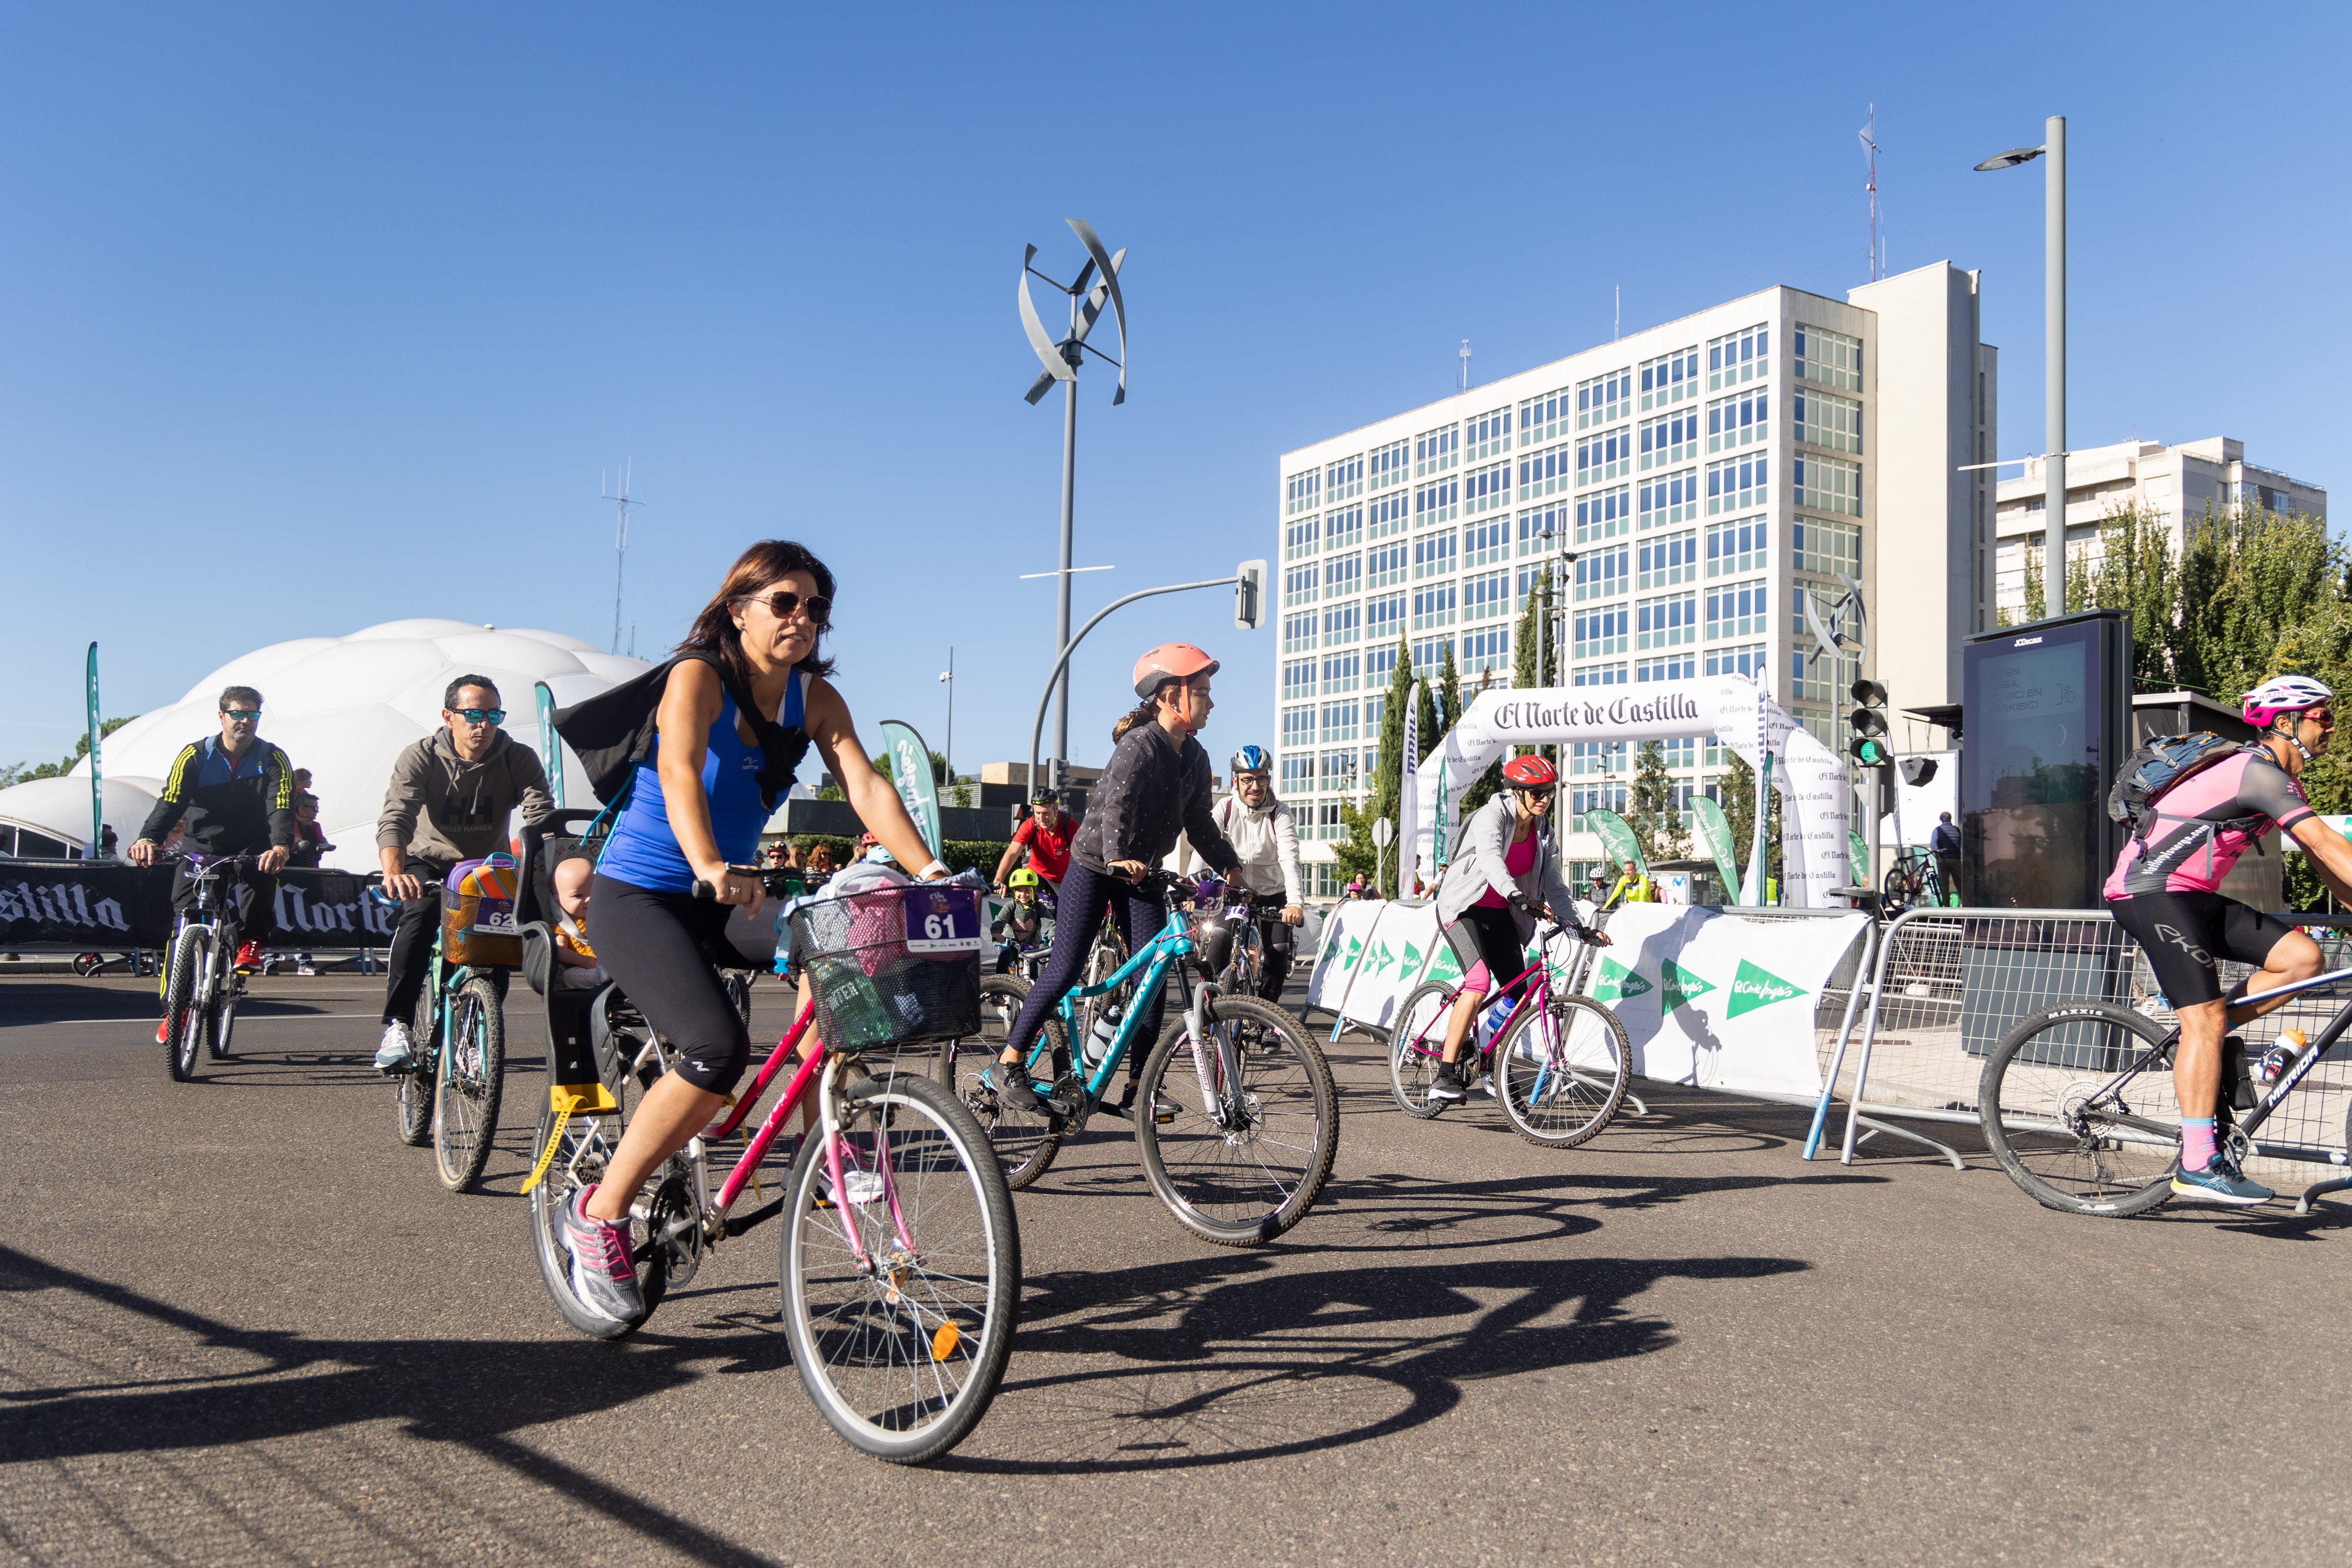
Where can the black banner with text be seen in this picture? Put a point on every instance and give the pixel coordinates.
(88, 905)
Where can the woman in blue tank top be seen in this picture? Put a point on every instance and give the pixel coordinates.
(694, 808)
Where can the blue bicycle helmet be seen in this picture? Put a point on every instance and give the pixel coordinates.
(1252, 759)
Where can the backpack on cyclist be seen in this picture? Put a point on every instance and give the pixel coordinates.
(613, 731)
(2151, 772)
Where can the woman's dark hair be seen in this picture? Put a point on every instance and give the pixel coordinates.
(714, 630)
(1145, 712)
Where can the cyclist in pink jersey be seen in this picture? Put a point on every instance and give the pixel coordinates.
(2164, 891)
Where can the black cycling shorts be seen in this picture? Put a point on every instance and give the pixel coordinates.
(2186, 935)
(1487, 938)
(658, 945)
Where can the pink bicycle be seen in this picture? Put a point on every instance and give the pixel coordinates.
(900, 1262)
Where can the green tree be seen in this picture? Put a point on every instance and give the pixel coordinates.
(1657, 825)
(1736, 791)
(1524, 674)
(1449, 691)
(1356, 853)
(2136, 574)
(25, 772)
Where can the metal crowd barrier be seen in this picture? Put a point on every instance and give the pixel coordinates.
(1949, 983)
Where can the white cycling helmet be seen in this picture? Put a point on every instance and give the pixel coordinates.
(2283, 694)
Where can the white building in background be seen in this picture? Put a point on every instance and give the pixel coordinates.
(1700, 474)
(2179, 484)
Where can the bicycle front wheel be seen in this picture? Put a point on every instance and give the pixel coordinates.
(473, 1072)
(1560, 1073)
(903, 1349)
(1416, 1045)
(1025, 1142)
(1238, 1166)
(180, 1010)
(2076, 1104)
(577, 1160)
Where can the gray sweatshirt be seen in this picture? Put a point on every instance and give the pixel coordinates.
(441, 809)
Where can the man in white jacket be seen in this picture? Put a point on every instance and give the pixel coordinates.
(1265, 834)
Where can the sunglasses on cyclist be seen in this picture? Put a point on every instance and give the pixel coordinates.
(481, 715)
(784, 601)
(1540, 791)
(241, 715)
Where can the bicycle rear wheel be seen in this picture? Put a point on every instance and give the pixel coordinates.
(417, 1086)
(1560, 1073)
(902, 1358)
(181, 1014)
(1239, 1185)
(1416, 1043)
(577, 1161)
(1025, 1142)
(2076, 1104)
(472, 1075)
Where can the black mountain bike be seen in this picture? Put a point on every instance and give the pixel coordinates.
(201, 984)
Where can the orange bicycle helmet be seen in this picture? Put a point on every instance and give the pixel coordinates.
(1530, 773)
(1169, 661)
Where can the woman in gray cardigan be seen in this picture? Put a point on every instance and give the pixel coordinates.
(1489, 899)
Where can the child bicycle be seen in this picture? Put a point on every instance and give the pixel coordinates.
(899, 1261)
(1236, 1118)
(1558, 1061)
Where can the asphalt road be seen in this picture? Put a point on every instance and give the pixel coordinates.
(242, 1324)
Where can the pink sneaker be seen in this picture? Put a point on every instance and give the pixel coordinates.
(603, 1272)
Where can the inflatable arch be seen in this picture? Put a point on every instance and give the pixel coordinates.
(1732, 709)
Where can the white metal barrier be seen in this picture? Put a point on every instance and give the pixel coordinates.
(1949, 983)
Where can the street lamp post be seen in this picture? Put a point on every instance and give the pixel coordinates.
(2053, 364)
(947, 755)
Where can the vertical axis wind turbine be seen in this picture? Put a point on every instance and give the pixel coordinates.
(1870, 150)
(1060, 361)
(620, 539)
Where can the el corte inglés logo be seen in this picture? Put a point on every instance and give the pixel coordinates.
(1618, 982)
(1753, 988)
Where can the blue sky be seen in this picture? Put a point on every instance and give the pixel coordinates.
(316, 316)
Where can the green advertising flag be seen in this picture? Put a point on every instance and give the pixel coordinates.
(1714, 832)
(910, 770)
(1858, 855)
(1438, 845)
(1618, 838)
(97, 790)
(550, 749)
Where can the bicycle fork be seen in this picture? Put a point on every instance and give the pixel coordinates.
(1225, 1108)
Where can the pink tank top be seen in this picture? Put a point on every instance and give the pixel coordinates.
(1519, 859)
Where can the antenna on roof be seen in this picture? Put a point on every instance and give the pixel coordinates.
(1465, 364)
(1870, 150)
(621, 504)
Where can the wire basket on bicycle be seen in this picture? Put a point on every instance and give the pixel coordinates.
(893, 967)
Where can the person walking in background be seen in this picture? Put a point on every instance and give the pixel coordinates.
(1943, 840)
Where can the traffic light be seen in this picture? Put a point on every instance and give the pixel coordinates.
(1249, 595)
(1869, 747)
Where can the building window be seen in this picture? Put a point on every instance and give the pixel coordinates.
(1603, 573)
(1298, 726)
(1434, 555)
(1486, 596)
(1814, 677)
(1487, 434)
(1389, 515)
(1598, 674)
(1380, 664)
(1342, 574)
(1301, 491)
(1298, 772)
(1736, 610)
(1669, 500)
(1667, 621)
(1680, 752)
(1299, 538)
(1675, 667)
(1323, 880)
(1343, 624)
(1669, 440)
(1740, 421)
(1487, 650)
(1391, 465)
(1832, 549)
(1383, 616)
(1604, 398)
(1298, 632)
(1831, 422)
(1435, 451)
(1829, 485)
(1338, 721)
(1595, 757)
(1597, 631)
(1736, 546)
(1544, 529)
(1385, 564)
(1737, 483)
(1484, 489)
(1546, 472)
(1434, 606)
(1830, 357)
(1343, 529)
(1375, 707)
(1608, 455)
(1671, 379)
(1593, 797)
(1438, 503)
(1488, 541)
(1298, 585)
(1343, 479)
(1428, 654)
(1747, 661)
(1545, 417)
(1739, 357)
(1327, 822)
(1604, 514)
(1340, 673)
(1338, 773)
(1297, 679)
(1668, 560)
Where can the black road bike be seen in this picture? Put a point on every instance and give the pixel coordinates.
(201, 984)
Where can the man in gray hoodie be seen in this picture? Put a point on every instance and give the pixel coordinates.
(451, 796)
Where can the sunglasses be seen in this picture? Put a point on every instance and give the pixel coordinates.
(241, 715)
(784, 601)
(481, 715)
(1540, 791)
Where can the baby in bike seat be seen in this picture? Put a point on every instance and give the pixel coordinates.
(576, 960)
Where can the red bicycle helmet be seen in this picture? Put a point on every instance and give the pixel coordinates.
(1169, 661)
(1529, 772)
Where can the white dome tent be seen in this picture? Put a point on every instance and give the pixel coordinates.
(342, 707)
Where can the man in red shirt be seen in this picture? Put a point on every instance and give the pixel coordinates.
(1046, 835)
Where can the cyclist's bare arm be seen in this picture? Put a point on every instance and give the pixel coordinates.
(2330, 853)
